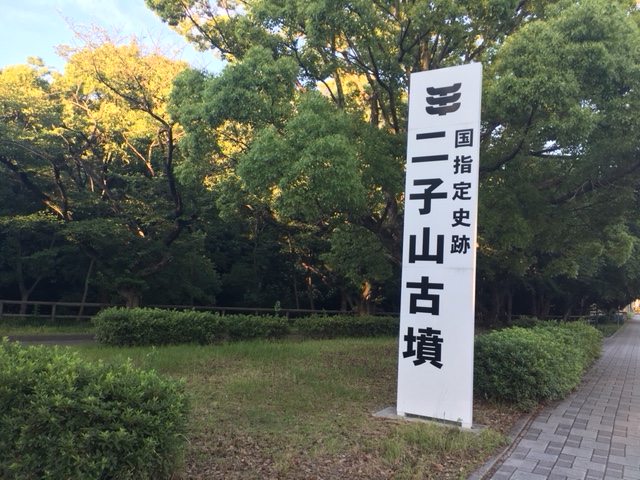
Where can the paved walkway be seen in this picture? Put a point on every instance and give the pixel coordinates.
(54, 339)
(592, 434)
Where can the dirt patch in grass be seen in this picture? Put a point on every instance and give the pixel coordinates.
(500, 418)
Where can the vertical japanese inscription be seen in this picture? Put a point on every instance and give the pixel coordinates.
(436, 325)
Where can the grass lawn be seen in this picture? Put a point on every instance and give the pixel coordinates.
(303, 410)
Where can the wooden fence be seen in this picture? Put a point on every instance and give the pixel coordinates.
(83, 311)
(50, 310)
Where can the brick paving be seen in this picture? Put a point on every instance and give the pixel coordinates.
(592, 434)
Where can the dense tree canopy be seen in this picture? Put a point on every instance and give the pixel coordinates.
(280, 179)
(95, 149)
(560, 166)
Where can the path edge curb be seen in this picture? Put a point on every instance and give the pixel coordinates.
(517, 431)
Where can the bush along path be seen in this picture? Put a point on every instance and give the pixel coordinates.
(593, 433)
(529, 366)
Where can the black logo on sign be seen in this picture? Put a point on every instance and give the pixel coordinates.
(443, 100)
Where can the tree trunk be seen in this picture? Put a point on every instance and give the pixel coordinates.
(509, 295)
(343, 301)
(534, 304)
(86, 288)
(364, 302)
(295, 291)
(493, 312)
(541, 305)
(131, 298)
(567, 312)
(310, 291)
(25, 291)
(24, 297)
(546, 308)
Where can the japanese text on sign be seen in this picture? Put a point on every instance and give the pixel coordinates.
(435, 373)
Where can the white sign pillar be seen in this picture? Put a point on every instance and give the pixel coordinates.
(435, 368)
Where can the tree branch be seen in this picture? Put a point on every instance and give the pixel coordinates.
(504, 160)
(517, 148)
(33, 188)
(592, 185)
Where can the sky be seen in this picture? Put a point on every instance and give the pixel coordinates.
(33, 28)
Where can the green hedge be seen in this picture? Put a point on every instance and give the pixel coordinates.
(529, 366)
(148, 326)
(326, 326)
(62, 417)
(586, 337)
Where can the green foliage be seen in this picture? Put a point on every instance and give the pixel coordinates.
(257, 91)
(154, 326)
(29, 250)
(529, 366)
(587, 338)
(608, 329)
(44, 324)
(557, 100)
(63, 417)
(249, 327)
(148, 326)
(95, 147)
(286, 168)
(358, 254)
(526, 322)
(326, 326)
(310, 170)
(126, 327)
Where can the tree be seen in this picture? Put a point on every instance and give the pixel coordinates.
(558, 143)
(131, 85)
(30, 247)
(560, 163)
(287, 167)
(99, 152)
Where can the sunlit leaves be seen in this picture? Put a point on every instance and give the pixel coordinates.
(311, 170)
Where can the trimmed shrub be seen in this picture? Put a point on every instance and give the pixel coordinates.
(154, 326)
(126, 327)
(325, 326)
(62, 417)
(249, 327)
(587, 338)
(529, 366)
